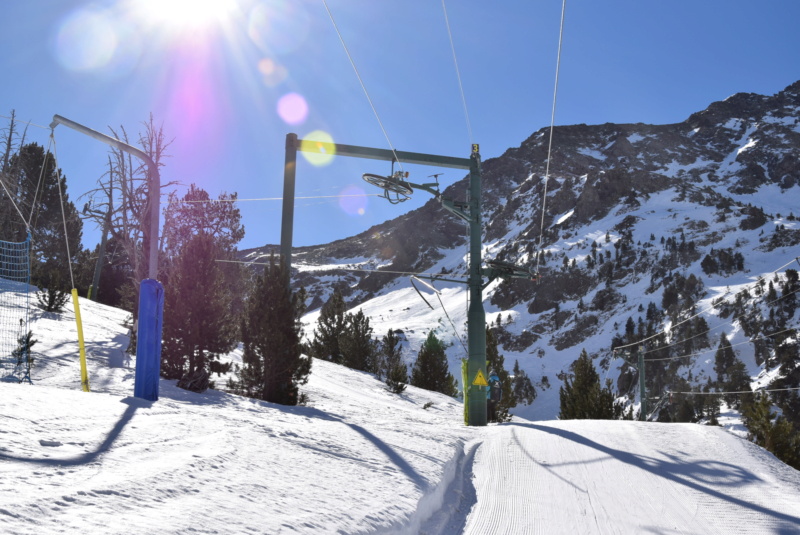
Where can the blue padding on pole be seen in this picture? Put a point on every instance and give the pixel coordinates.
(148, 340)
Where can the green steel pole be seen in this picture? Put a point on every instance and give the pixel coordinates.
(475, 392)
(642, 390)
(476, 316)
(287, 215)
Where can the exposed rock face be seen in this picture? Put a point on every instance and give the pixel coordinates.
(641, 223)
(730, 149)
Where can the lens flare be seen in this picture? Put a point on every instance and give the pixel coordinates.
(86, 40)
(317, 148)
(279, 28)
(292, 108)
(197, 104)
(272, 72)
(185, 15)
(353, 201)
(128, 52)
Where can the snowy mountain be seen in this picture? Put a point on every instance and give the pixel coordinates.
(649, 223)
(355, 460)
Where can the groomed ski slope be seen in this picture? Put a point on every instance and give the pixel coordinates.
(356, 460)
(629, 477)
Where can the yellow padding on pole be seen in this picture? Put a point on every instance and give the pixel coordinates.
(84, 372)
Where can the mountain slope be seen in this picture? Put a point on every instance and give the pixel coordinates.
(643, 223)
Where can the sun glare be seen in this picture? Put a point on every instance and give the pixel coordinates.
(185, 14)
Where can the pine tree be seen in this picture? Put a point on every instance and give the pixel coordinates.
(37, 182)
(630, 330)
(21, 355)
(786, 442)
(204, 297)
(331, 326)
(199, 325)
(12, 225)
(522, 387)
(583, 398)
(724, 358)
(430, 370)
(359, 349)
(273, 367)
(712, 409)
(738, 381)
(394, 369)
(758, 420)
(496, 364)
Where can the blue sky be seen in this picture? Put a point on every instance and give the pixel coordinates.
(229, 84)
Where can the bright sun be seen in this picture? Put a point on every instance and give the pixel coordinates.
(185, 14)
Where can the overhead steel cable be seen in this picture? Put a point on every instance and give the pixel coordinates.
(682, 340)
(179, 201)
(707, 309)
(455, 331)
(25, 122)
(361, 81)
(758, 391)
(40, 185)
(63, 211)
(698, 353)
(720, 326)
(552, 127)
(337, 268)
(717, 327)
(458, 73)
(14, 204)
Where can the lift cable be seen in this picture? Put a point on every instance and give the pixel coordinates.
(552, 127)
(33, 219)
(350, 57)
(412, 275)
(455, 331)
(179, 201)
(458, 73)
(707, 309)
(758, 391)
(726, 325)
(337, 268)
(715, 349)
(25, 122)
(63, 212)
(720, 326)
(704, 333)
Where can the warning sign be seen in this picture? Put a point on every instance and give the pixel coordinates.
(480, 380)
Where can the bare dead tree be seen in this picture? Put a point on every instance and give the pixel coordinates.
(121, 204)
(11, 228)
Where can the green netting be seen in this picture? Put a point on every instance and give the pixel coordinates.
(15, 276)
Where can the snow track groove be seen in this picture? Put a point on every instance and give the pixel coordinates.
(443, 509)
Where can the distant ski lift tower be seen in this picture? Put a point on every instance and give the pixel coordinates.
(469, 211)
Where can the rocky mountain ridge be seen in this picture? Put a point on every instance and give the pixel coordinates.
(651, 223)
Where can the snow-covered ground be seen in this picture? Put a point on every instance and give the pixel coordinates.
(357, 459)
